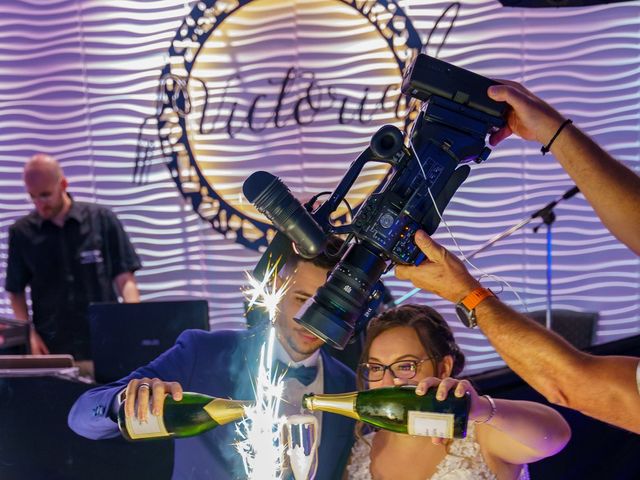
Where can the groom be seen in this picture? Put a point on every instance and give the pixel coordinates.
(223, 364)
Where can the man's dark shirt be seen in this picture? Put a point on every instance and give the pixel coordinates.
(67, 268)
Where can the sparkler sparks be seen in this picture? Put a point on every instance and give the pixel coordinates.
(266, 294)
(260, 431)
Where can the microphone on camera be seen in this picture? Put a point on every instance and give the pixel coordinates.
(274, 200)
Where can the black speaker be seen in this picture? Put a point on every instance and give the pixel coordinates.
(578, 328)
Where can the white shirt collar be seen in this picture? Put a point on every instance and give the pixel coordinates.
(281, 354)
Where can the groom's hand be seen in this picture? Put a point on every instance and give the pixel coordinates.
(140, 390)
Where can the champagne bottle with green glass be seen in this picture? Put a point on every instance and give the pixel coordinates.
(399, 410)
(194, 414)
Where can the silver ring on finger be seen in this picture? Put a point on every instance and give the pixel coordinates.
(144, 385)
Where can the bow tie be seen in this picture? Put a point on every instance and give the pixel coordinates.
(305, 375)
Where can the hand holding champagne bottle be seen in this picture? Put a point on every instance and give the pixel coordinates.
(399, 409)
(180, 414)
(142, 392)
(480, 408)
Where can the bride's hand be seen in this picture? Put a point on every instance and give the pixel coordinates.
(480, 408)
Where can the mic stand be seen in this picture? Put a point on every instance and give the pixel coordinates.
(547, 208)
(548, 217)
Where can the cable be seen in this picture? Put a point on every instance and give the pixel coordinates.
(491, 276)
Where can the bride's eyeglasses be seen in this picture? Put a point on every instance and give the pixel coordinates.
(404, 369)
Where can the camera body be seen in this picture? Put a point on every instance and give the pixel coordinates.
(424, 172)
(450, 130)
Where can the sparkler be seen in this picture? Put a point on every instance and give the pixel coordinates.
(260, 431)
(266, 294)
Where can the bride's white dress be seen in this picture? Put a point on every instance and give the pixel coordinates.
(463, 461)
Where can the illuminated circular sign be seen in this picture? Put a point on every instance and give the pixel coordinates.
(293, 87)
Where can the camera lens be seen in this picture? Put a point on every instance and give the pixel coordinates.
(332, 312)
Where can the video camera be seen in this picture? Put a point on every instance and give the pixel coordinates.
(450, 130)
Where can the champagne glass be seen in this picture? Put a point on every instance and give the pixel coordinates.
(302, 431)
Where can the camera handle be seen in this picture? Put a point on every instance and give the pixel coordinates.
(384, 144)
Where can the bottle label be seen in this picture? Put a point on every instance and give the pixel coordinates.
(430, 424)
(152, 428)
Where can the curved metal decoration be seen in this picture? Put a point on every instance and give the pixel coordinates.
(175, 104)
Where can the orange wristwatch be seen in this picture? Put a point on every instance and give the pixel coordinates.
(466, 308)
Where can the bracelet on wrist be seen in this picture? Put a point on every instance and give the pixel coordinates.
(547, 147)
(492, 413)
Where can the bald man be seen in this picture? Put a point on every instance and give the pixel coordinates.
(70, 254)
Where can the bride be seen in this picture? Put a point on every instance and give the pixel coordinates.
(414, 344)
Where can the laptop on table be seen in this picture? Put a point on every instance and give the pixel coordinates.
(125, 336)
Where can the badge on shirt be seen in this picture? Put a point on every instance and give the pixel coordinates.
(91, 256)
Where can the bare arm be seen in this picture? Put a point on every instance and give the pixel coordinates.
(517, 432)
(523, 432)
(612, 189)
(127, 287)
(601, 387)
(19, 306)
(21, 312)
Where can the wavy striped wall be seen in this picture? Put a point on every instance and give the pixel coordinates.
(78, 77)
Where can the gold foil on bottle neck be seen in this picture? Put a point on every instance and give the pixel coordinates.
(225, 411)
(340, 403)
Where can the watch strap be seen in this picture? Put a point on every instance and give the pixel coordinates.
(473, 299)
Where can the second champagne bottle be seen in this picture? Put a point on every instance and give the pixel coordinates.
(399, 410)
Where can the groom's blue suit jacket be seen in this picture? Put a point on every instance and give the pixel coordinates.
(220, 364)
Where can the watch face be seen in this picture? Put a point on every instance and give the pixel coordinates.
(462, 314)
(467, 317)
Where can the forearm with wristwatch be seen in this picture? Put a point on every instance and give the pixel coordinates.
(466, 308)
